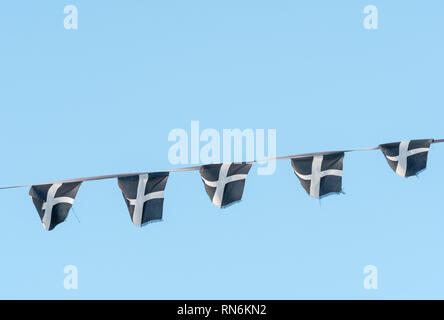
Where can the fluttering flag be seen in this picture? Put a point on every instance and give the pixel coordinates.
(144, 196)
(320, 175)
(407, 158)
(225, 182)
(53, 201)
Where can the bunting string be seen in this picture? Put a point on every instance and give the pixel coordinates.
(196, 168)
(319, 173)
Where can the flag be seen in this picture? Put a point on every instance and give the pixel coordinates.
(53, 201)
(407, 158)
(320, 175)
(225, 182)
(144, 196)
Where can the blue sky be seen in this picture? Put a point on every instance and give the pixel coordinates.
(102, 99)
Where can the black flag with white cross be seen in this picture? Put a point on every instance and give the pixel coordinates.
(53, 201)
(144, 196)
(407, 158)
(225, 182)
(320, 175)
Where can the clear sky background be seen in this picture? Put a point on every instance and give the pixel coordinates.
(102, 99)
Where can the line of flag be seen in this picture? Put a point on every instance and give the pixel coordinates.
(320, 174)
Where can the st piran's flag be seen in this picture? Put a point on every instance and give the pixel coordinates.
(407, 158)
(320, 175)
(225, 182)
(53, 201)
(144, 196)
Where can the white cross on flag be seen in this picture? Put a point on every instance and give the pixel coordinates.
(225, 182)
(407, 158)
(53, 201)
(144, 196)
(320, 175)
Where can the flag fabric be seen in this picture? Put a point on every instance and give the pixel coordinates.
(407, 158)
(224, 183)
(320, 175)
(53, 201)
(144, 196)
